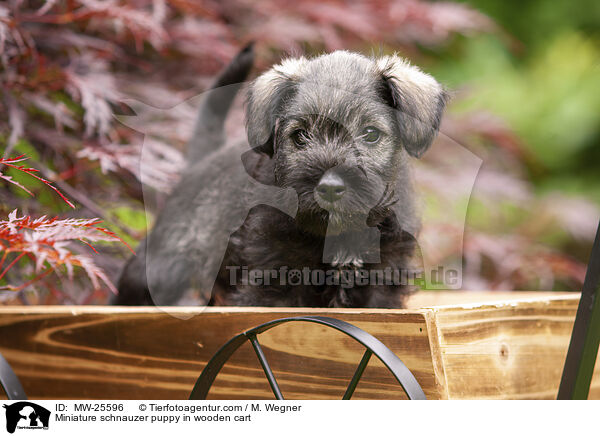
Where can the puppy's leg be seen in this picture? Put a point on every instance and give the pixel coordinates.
(133, 284)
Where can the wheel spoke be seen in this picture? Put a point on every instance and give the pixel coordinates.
(265, 366)
(358, 374)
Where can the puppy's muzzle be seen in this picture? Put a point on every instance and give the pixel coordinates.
(331, 187)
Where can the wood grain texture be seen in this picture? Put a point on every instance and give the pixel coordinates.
(148, 354)
(506, 350)
(458, 345)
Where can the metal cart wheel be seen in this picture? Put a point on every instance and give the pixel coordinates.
(373, 346)
(10, 382)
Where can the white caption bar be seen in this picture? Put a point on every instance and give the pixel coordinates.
(297, 417)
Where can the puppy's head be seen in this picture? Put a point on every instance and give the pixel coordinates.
(340, 128)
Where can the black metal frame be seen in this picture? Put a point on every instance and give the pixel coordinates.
(373, 346)
(10, 382)
(583, 349)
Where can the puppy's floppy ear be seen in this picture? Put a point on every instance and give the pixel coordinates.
(418, 99)
(266, 98)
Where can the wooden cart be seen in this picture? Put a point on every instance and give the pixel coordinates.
(459, 345)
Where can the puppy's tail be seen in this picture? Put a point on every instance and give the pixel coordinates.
(209, 131)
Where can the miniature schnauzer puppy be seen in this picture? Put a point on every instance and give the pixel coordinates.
(340, 131)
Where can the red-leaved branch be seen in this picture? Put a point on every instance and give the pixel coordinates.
(46, 241)
(11, 162)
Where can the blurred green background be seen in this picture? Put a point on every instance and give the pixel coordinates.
(541, 75)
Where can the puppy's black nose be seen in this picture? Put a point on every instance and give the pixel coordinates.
(331, 187)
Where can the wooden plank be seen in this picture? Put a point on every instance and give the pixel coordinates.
(420, 300)
(506, 350)
(148, 354)
(467, 299)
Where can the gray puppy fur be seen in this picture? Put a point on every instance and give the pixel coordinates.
(337, 132)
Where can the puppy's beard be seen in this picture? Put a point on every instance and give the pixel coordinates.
(320, 218)
(322, 222)
(343, 222)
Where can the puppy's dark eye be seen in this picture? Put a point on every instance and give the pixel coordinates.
(299, 137)
(370, 134)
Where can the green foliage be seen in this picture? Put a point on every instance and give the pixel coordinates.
(133, 219)
(552, 101)
(43, 196)
(534, 22)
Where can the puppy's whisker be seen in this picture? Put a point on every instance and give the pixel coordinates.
(386, 190)
(384, 197)
(359, 161)
(391, 203)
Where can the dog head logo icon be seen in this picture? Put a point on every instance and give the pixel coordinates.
(26, 415)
